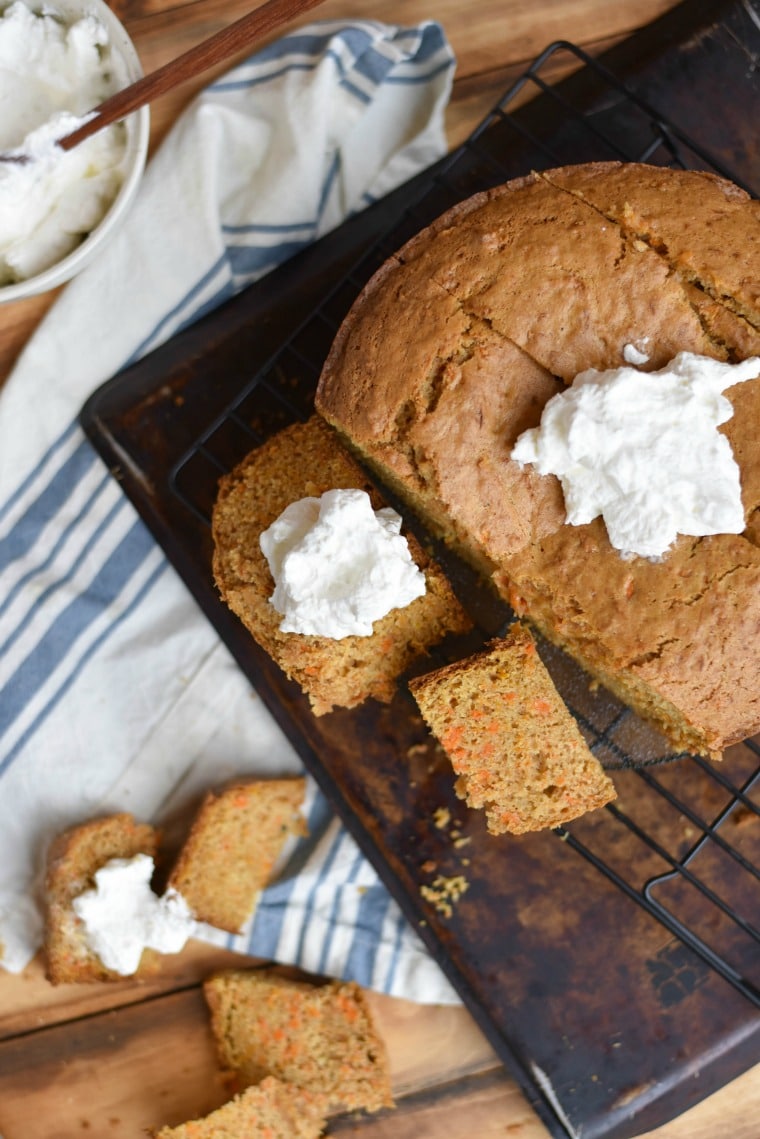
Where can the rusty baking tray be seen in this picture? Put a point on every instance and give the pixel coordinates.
(615, 965)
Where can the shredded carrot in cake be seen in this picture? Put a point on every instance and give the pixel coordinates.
(513, 762)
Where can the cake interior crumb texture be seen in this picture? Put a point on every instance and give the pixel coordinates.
(320, 1037)
(73, 858)
(458, 342)
(269, 1110)
(233, 844)
(305, 460)
(516, 749)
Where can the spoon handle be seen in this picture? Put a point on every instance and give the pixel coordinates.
(224, 43)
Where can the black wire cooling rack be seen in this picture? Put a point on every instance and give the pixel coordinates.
(723, 933)
(565, 132)
(665, 879)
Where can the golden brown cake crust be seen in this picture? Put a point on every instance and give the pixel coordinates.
(516, 749)
(307, 460)
(707, 228)
(525, 286)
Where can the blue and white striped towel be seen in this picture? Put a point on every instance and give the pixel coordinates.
(115, 692)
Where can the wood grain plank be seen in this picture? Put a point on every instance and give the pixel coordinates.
(486, 35)
(476, 95)
(486, 1106)
(119, 1071)
(733, 1111)
(30, 1002)
(114, 1073)
(448, 1043)
(152, 1062)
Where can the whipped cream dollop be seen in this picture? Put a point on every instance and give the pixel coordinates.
(339, 565)
(122, 915)
(53, 71)
(643, 450)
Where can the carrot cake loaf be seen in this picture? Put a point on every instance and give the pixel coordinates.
(305, 463)
(232, 846)
(523, 294)
(516, 749)
(320, 1037)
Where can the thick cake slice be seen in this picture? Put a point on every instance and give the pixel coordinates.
(517, 751)
(307, 460)
(73, 858)
(270, 1110)
(232, 846)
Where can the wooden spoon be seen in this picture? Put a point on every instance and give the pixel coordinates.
(223, 44)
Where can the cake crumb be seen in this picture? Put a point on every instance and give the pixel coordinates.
(445, 891)
(442, 817)
(416, 751)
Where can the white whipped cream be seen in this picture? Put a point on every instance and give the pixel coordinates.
(52, 73)
(122, 916)
(636, 353)
(339, 565)
(642, 450)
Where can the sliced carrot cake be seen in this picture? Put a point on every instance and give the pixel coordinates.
(516, 749)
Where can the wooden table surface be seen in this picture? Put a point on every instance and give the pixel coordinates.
(114, 1060)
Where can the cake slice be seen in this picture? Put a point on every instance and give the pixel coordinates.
(73, 858)
(269, 1110)
(232, 846)
(516, 749)
(305, 460)
(320, 1037)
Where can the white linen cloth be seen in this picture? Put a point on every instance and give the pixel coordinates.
(115, 691)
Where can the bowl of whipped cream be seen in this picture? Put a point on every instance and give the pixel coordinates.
(59, 59)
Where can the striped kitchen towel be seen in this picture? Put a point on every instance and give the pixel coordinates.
(115, 692)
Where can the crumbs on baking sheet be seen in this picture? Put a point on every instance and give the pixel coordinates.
(442, 817)
(442, 820)
(444, 892)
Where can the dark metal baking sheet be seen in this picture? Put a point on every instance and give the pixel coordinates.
(614, 967)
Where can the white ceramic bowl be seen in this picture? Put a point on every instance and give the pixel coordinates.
(133, 163)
